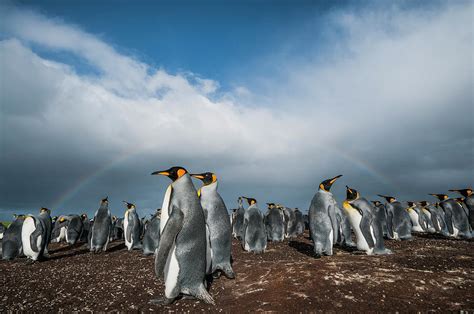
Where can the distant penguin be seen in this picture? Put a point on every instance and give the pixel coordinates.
(238, 221)
(74, 229)
(11, 242)
(33, 237)
(86, 227)
(469, 202)
(306, 221)
(368, 230)
(274, 223)
(381, 215)
(151, 239)
(217, 220)
(455, 216)
(181, 254)
(322, 218)
(132, 227)
(398, 220)
(58, 233)
(424, 218)
(290, 221)
(100, 231)
(299, 221)
(415, 217)
(437, 217)
(45, 216)
(2, 230)
(254, 231)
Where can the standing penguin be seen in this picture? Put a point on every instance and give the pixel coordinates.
(299, 221)
(436, 215)
(344, 230)
(217, 220)
(86, 227)
(74, 229)
(45, 216)
(322, 218)
(368, 229)
(455, 216)
(11, 242)
(58, 233)
(33, 237)
(415, 217)
(398, 220)
(238, 220)
(181, 254)
(100, 231)
(151, 239)
(274, 223)
(381, 215)
(469, 202)
(254, 232)
(132, 227)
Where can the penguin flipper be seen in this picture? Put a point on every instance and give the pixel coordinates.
(390, 224)
(170, 231)
(35, 234)
(449, 220)
(365, 224)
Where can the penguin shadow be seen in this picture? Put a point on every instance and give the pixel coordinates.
(304, 248)
(117, 247)
(65, 248)
(73, 251)
(437, 236)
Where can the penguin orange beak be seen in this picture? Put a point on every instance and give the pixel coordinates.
(197, 176)
(335, 178)
(161, 173)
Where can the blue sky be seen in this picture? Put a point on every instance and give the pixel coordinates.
(273, 96)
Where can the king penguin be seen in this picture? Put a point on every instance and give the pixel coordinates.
(151, 239)
(100, 233)
(322, 218)
(217, 220)
(238, 220)
(45, 216)
(33, 237)
(398, 220)
(469, 202)
(11, 242)
(381, 215)
(455, 216)
(254, 232)
(414, 217)
(368, 230)
(74, 229)
(86, 227)
(274, 223)
(132, 227)
(181, 255)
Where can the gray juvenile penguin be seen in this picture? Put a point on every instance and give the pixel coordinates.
(11, 242)
(100, 232)
(181, 254)
(398, 220)
(86, 227)
(275, 223)
(254, 232)
(381, 215)
(238, 221)
(322, 218)
(217, 220)
(455, 216)
(151, 239)
(436, 215)
(469, 202)
(45, 216)
(132, 227)
(33, 237)
(367, 228)
(299, 221)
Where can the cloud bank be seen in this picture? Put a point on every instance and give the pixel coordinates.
(389, 104)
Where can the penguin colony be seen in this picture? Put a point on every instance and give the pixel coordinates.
(191, 235)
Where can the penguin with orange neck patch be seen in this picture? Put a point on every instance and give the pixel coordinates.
(323, 226)
(181, 255)
(456, 217)
(398, 220)
(368, 230)
(254, 231)
(217, 220)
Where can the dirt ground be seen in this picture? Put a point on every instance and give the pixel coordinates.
(428, 273)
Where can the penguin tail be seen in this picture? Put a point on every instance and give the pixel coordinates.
(203, 295)
(228, 271)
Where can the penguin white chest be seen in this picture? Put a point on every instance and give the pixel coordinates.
(165, 208)
(28, 228)
(414, 219)
(128, 244)
(355, 217)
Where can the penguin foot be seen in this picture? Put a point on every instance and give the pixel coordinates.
(162, 301)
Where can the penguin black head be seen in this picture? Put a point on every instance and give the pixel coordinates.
(376, 203)
(459, 199)
(441, 197)
(84, 217)
(464, 192)
(62, 219)
(424, 203)
(250, 200)
(105, 201)
(326, 184)
(206, 177)
(351, 194)
(389, 199)
(410, 204)
(45, 210)
(271, 205)
(174, 173)
(129, 205)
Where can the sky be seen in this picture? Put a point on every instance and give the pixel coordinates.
(274, 97)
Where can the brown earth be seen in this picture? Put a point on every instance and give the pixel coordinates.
(427, 274)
